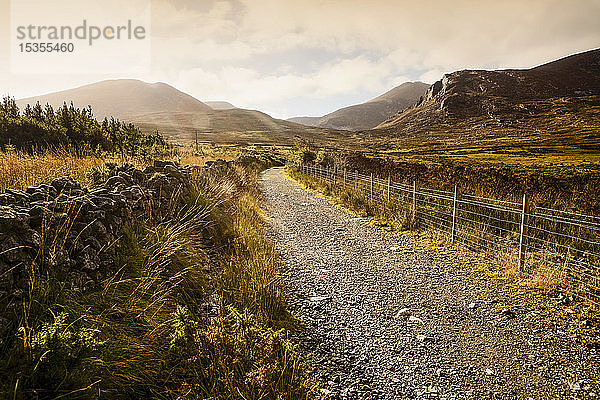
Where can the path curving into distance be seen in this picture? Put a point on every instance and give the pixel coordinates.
(461, 337)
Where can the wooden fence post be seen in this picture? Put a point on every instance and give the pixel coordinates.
(335, 175)
(344, 176)
(454, 207)
(371, 187)
(522, 241)
(389, 183)
(414, 201)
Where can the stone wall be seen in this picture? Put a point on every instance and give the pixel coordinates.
(74, 232)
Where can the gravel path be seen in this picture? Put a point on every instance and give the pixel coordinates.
(388, 320)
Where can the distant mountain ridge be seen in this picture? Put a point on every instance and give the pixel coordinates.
(122, 99)
(179, 116)
(493, 94)
(220, 105)
(370, 114)
(551, 109)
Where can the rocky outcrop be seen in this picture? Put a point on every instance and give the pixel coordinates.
(501, 95)
(74, 232)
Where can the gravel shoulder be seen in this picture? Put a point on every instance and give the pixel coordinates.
(386, 319)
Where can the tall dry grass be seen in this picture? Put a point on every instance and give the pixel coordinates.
(195, 309)
(475, 239)
(20, 169)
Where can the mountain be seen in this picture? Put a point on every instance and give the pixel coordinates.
(235, 126)
(370, 114)
(512, 92)
(123, 99)
(179, 116)
(220, 105)
(545, 105)
(310, 121)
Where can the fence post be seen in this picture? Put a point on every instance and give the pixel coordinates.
(371, 187)
(344, 176)
(388, 187)
(522, 241)
(454, 205)
(414, 201)
(335, 175)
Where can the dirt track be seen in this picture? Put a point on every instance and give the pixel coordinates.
(461, 337)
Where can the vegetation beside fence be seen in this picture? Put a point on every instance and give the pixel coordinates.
(560, 246)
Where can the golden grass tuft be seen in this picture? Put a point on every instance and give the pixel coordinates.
(19, 169)
(195, 308)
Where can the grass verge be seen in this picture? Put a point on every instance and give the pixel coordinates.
(195, 310)
(582, 318)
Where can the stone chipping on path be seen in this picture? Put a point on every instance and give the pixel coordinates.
(386, 319)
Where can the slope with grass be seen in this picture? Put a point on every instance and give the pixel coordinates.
(235, 126)
(189, 305)
(181, 117)
(371, 113)
(554, 108)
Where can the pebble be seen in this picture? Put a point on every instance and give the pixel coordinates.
(378, 281)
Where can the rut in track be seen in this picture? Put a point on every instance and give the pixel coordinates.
(461, 338)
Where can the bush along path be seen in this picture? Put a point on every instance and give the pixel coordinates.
(154, 283)
(387, 319)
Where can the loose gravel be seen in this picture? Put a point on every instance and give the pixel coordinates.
(386, 319)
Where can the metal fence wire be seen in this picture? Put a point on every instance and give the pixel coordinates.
(559, 246)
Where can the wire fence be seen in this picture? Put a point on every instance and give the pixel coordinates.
(558, 246)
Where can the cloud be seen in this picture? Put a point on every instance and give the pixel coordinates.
(431, 76)
(252, 88)
(374, 45)
(296, 56)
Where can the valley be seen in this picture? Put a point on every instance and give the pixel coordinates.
(153, 245)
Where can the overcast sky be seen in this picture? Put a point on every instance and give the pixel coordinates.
(308, 57)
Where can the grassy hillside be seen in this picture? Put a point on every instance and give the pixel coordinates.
(235, 126)
(566, 186)
(564, 132)
(179, 116)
